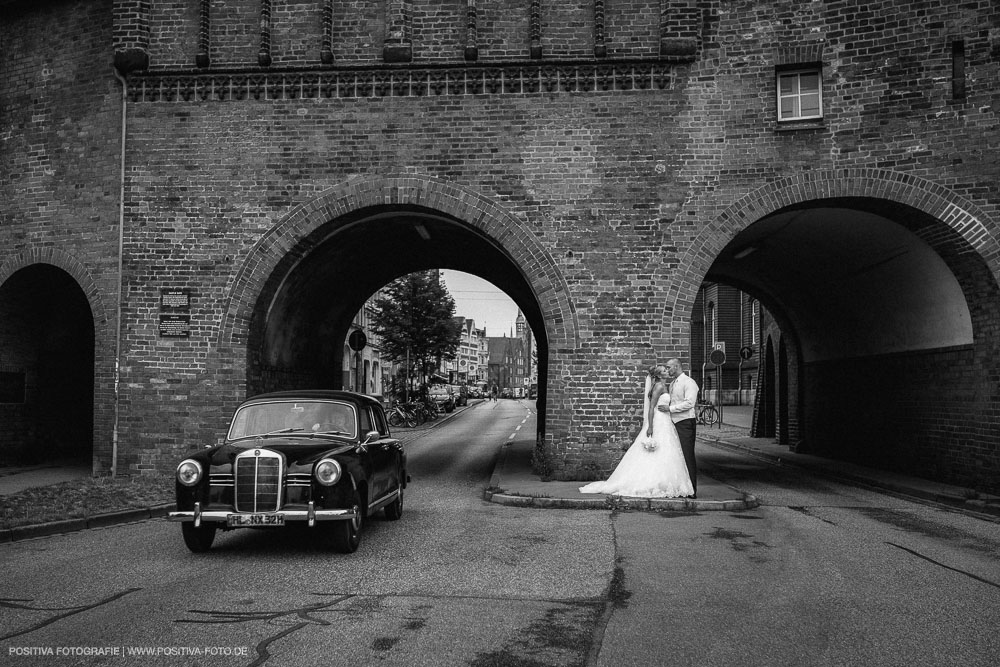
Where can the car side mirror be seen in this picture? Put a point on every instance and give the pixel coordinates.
(371, 436)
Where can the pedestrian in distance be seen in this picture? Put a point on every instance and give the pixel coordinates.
(683, 392)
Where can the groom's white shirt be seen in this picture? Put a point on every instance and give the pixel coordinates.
(683, 398)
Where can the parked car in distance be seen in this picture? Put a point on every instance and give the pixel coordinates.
(442, 396)
(322, 459)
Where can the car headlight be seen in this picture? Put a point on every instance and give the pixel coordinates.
(328, 472)
(189, 472)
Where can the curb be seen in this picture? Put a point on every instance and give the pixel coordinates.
(624, 503)
(977, 508)
(609, 502)
(18, 533)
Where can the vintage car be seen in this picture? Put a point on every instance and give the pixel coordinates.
(322, 459)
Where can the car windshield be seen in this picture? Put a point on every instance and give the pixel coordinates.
(305, 418)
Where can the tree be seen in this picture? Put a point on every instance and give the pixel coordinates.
(415, 321)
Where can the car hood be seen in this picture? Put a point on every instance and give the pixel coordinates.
(297, 451)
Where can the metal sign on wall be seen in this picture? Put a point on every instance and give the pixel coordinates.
(175, 313)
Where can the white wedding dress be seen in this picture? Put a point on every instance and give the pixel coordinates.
(661, 473)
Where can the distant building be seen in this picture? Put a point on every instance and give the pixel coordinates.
(727, 320)
(470, 363)
(524, 333)
(364, 370)
(510, 364)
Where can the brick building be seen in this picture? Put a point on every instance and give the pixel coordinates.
(202, 220)
(726, 319)
(507, 365)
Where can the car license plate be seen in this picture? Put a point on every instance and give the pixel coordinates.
(236, 520)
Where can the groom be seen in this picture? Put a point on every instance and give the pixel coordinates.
(683, 398)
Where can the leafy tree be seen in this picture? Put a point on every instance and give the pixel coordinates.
(415, 317)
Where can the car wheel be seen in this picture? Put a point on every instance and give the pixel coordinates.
(345, 536)
(199, 540)
(394, 510)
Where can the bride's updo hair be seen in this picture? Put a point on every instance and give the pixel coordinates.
(657, 371)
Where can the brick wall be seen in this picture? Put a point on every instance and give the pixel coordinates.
(628, 181)
(60, 113)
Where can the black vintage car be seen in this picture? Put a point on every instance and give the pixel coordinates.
(323, 459)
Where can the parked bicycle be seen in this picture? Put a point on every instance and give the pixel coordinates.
(707, 413)
(426, 410)
(402, 415)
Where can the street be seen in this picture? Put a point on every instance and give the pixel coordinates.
(822, 573)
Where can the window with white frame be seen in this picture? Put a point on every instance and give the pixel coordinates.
(754, 321)
(800, 94)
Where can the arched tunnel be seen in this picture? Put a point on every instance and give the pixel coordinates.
(887, 312)
(304, 312)
(47, 367)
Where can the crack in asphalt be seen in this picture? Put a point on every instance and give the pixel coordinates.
(947, 567)
(12, 603)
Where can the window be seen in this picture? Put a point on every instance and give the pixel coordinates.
(800, 94)
(754, 321)
(712, 329)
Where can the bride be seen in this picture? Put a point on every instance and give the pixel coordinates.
(653, 467)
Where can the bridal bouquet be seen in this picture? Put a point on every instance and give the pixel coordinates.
(648, 443)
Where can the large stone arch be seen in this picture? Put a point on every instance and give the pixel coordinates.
(967, 222)
(471, 207)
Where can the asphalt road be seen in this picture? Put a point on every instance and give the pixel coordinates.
(821, 574)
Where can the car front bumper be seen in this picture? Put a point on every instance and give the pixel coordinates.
(310, 515)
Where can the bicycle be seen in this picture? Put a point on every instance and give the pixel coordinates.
(707, 413)
(400, 415)
(426, 411)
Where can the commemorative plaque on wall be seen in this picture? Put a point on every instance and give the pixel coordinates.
(175, 313)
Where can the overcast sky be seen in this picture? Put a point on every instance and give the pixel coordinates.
(480, 300)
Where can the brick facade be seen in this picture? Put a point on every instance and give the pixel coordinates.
(600, 155)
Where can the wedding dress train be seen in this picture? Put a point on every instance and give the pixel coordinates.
(660, 473)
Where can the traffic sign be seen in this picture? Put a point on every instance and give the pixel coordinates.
(746, 352)
(357, 340)
(717, 357)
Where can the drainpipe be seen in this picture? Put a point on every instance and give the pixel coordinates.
(121, 279)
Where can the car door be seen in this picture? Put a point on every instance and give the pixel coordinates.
(381, 453)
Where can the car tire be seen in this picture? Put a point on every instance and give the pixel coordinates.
(198, 540)
(394, 510)
(345, 536)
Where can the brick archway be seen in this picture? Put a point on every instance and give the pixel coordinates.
(465, 204)
(59, 332)
(963, 217)
(68, 263)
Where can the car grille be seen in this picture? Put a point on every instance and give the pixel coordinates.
(258, 481)
(299, 480)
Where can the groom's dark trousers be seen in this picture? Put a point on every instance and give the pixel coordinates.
(686, 433)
